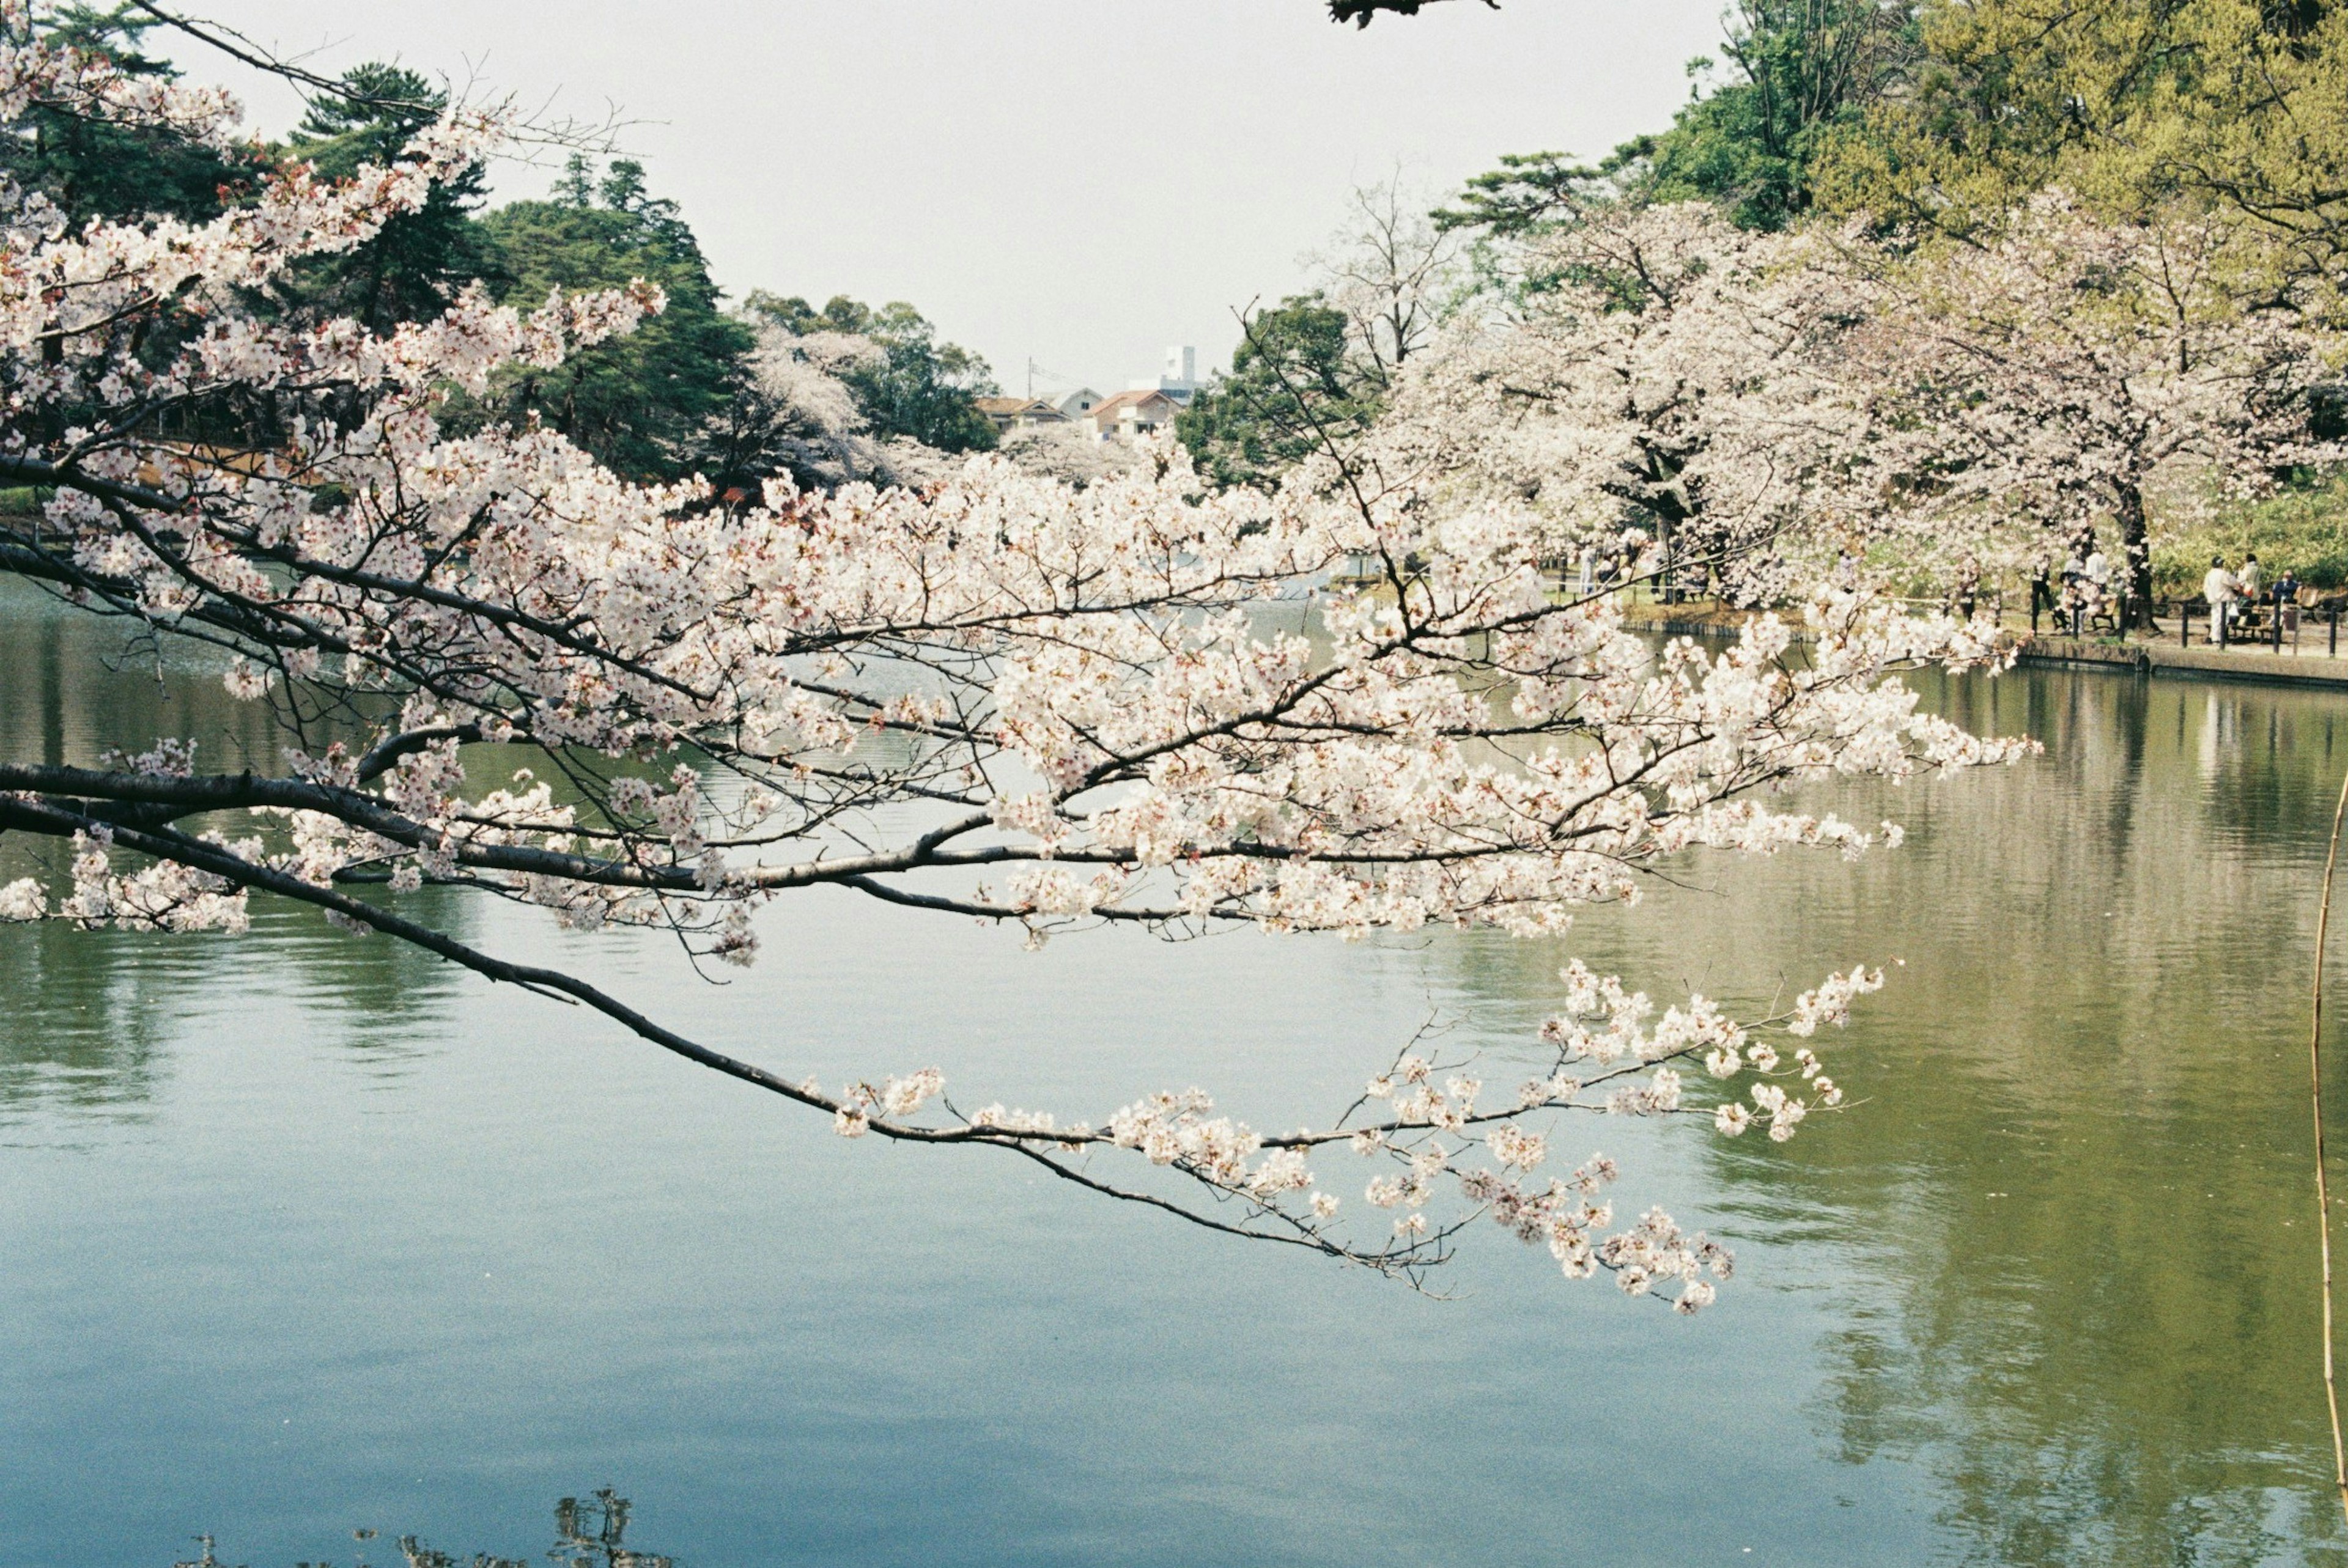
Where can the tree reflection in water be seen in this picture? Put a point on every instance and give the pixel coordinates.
(2066, 1238)
(589, 1533)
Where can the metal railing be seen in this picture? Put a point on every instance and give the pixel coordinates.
(2259, 626)
(2264, 624)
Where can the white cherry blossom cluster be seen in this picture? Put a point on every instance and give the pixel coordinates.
(1668, 389)
(23, 899)
(94, 86)
(160, 897)
(896, 1097)
(1661, 387)
(1444, 1152)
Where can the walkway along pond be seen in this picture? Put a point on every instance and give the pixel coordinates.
(2313, 661)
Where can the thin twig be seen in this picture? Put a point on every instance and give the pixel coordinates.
(2323, 1193)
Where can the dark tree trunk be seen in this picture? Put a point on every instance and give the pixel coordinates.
(2137, 547)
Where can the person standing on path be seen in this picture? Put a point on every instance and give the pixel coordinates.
(2097, 569)
(1586, 580)
(2075, 592)
(2247, 580)
(2218, 587)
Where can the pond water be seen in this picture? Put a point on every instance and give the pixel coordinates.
(303, 1235)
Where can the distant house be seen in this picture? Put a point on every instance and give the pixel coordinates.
(1178, 380)
(1132, 415)
(1079, 402)
(1011, 413)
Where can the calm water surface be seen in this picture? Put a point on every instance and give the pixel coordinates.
(302, 1234)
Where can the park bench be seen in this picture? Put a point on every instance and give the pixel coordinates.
(2266, 622)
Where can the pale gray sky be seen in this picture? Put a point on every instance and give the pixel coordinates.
(1081, 181)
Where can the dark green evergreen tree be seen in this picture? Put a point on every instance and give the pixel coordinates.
(93, 168)
(420, 259)
(1295, 382)
(639, 401)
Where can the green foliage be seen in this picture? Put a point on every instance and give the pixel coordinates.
(2303, 527)
(1294, 383)
(637, 402)
(1535, 190)
(2133, 105)
(93, 169)
(1804, 69)
(420, 259)
(915, 386)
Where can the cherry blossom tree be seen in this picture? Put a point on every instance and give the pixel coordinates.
(795, 416)
(1066, 450)
(1776, 400)
(503, 671)
(2038, 381)
(1659, 371)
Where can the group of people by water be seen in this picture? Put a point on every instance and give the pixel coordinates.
(2233, 591)
(1595, 572)
(2089, 589)
(2092, 588)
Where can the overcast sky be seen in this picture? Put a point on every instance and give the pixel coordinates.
(1083, 182)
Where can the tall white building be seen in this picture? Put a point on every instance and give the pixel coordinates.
(1180, 378)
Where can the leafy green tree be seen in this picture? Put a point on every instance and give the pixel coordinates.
(411, 269)
(638, 402)
(912, 385)
(98, 169)
(2132, 105)
(1295, 382)
(1800, 71)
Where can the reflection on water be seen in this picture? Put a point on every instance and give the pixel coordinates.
(85, 1015)
(2072, 1239)
(362, 1238)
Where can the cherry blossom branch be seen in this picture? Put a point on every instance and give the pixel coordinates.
(1074, 691)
